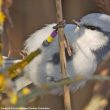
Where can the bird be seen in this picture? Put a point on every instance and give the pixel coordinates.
(90, 42)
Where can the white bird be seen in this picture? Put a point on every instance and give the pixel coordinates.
(90, 42)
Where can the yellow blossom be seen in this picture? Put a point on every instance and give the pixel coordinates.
(14, 99)
(2, 18)
(2, 81)
(25, 91)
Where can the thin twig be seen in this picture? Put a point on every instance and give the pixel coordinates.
(15, 69)
(98, 102)
(67, 101)
(45, 88)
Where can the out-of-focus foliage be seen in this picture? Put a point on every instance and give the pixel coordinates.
(15, 69)
(6, 84)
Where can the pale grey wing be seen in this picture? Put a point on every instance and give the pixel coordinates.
(103, 50)
(69, 32)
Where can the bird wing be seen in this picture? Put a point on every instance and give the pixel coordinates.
(103, 50)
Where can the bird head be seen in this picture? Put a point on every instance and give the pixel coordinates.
(94, 32)
(97, 20)
(93, 36)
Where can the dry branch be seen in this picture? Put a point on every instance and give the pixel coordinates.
(98, 102)
(45, 88)
(6, 85)
(67, 101)
(15, 69)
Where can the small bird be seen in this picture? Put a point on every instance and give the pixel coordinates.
(90, 41)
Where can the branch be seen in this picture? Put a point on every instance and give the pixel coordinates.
(6, 84)
(67, 100)
(98, 102)
(15, 69)
(45, 88)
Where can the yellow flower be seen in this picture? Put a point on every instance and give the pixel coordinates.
(14, 99)
(1, 60)
(2, 81)
(2, 18)
(26, 91)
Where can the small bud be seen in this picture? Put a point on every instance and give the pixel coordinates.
(14, 99)
(2, 81)
(26, 91)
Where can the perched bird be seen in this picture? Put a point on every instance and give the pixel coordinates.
(90, 41)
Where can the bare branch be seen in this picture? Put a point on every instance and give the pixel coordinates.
(45, 88)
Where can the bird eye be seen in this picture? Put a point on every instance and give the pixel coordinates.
(92, 27)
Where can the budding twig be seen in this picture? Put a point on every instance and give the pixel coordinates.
(45, 88)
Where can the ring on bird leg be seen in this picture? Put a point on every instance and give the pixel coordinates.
(50, 39)
(45, 43)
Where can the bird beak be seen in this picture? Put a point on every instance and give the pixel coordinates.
(76, 23)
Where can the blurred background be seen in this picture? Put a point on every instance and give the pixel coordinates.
(30, 15)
